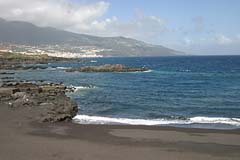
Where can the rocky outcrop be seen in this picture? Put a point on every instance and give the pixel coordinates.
(43, 102)
(20, 67)
(46, 102)
(17, 59)
(107, 68)
(6, 73)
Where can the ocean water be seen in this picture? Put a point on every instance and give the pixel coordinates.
(189, 91)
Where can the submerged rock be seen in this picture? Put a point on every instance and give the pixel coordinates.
(6, 73)
(107, 68)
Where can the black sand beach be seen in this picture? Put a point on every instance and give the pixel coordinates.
(23, 139)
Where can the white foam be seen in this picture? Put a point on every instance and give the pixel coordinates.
(147, 71)
(85, 119)
(185, 70)
(63, 67)
(77, 88)
(93, 61)
(215, 120)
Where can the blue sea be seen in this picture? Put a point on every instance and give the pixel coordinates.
(187, 91)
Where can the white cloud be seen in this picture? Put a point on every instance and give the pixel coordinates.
(210, 44)
(223, 40)
(214, 40)
(187, 41)
(61, 14)
(90, 18)
(141, 27)
(82, 18)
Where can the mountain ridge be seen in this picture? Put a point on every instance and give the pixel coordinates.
(20, 32)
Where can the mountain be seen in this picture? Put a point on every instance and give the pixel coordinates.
(19, 32)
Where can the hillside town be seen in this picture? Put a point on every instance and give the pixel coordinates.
(64, 51)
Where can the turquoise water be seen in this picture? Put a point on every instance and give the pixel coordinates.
(197, 91)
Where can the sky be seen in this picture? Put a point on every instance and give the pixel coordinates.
(210, 27)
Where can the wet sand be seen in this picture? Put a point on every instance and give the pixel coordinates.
(23, 139)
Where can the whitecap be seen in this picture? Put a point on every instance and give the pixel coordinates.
(148, 71)
(63, 68)
(185, 70)
(77, 88)
(216, 120)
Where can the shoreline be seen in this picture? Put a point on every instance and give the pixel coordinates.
(66, 140)
(24, 138)
(56, 137)
(43, 102)
(218, 123)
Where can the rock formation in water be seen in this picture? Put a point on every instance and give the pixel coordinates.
(107, 68)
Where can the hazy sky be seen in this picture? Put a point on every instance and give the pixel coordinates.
(193, 26)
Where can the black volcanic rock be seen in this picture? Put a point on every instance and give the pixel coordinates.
(6, 73)
(18, 67)
(44, 102)
(107, 68)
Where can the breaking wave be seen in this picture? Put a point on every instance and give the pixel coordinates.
(85, 119)
(63, 68)
(77, 88)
